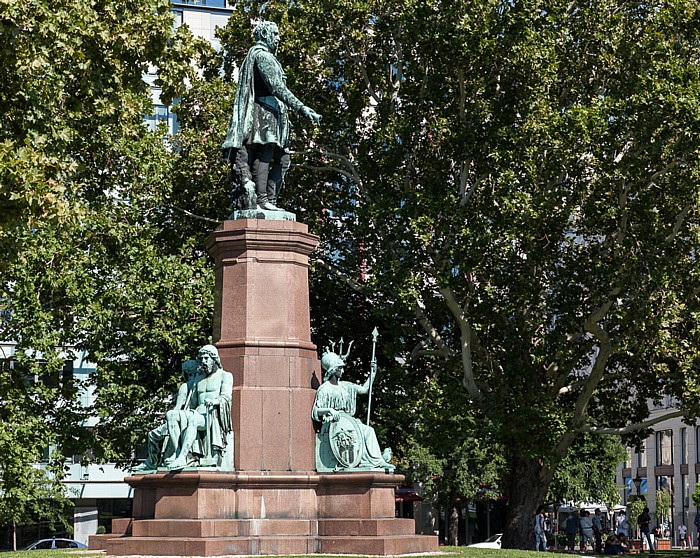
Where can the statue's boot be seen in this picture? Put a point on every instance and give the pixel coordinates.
(270, 207)
(264, 203)
(145, 466)
(176, 464)
(273, 203)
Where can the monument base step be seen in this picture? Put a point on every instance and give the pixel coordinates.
(217, 537)
(257, 545)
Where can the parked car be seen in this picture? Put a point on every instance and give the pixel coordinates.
(493, 541)
(49, 544)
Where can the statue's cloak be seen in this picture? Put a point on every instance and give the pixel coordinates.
(260, 117)
(241, 123)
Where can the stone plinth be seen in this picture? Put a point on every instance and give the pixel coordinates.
(262, 331)
(274, 502)
(214, 513)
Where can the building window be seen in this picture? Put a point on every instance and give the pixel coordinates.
(684, 446)
(697, 444)
(208, 3)
(664, 447)
(665, 485)
(178, 17)
(642, 456)
(627, 491)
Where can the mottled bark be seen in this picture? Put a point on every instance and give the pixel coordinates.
(527, 490)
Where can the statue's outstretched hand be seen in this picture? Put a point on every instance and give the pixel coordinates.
(311, 114)
(331, 416)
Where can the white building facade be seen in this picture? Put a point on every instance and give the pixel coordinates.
(202, 17)
(669, 461)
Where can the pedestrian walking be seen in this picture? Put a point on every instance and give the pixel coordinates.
(572, 527)
(683, 535)
(644, 520)
(597, 525)
(539, 527)
(586, 530)
(622, 528)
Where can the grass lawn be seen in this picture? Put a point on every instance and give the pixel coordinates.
(445, 552)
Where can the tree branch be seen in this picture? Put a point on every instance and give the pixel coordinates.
(419, 351)
(190, 214)
(442, 349)
(363, 70)
(396, 81)
(667, 168)
(354, 285)
(351, 173)
(340, 171)
(575, 385)
(597, 372)
(632, 427)
(679, 222)
(468, 337)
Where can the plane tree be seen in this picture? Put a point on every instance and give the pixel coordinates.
(517, 184)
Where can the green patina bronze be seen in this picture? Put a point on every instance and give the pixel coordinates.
(263, 214)
(197, 430)
(344, 443)
(258, 133)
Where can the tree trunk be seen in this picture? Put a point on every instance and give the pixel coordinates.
(528, 489)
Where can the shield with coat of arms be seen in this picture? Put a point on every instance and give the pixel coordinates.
(346, 441)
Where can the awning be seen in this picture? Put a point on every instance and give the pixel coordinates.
(406, 495)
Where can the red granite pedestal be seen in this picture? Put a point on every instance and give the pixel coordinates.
(274, 502)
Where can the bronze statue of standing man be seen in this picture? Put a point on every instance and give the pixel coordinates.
(257, 137)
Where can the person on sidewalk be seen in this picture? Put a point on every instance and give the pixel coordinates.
(644, 521)
(539, 527)
(572, 527)
(622, 528)
(586, 530)
(683, 535)
(597, 531)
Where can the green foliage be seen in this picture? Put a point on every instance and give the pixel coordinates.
(663, 504)
(587, 474)
(91, 259)
(511, 192)
(462, 461)
(636, 507)
(72, 85)
(696, 496)
(29, 424)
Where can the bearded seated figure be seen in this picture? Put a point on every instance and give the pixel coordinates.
(198, 431)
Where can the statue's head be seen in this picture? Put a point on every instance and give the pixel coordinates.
(268, 33)
(332, 364)
(189, 368)
(209, 359)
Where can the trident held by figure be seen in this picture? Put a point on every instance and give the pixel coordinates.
(372, 370)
